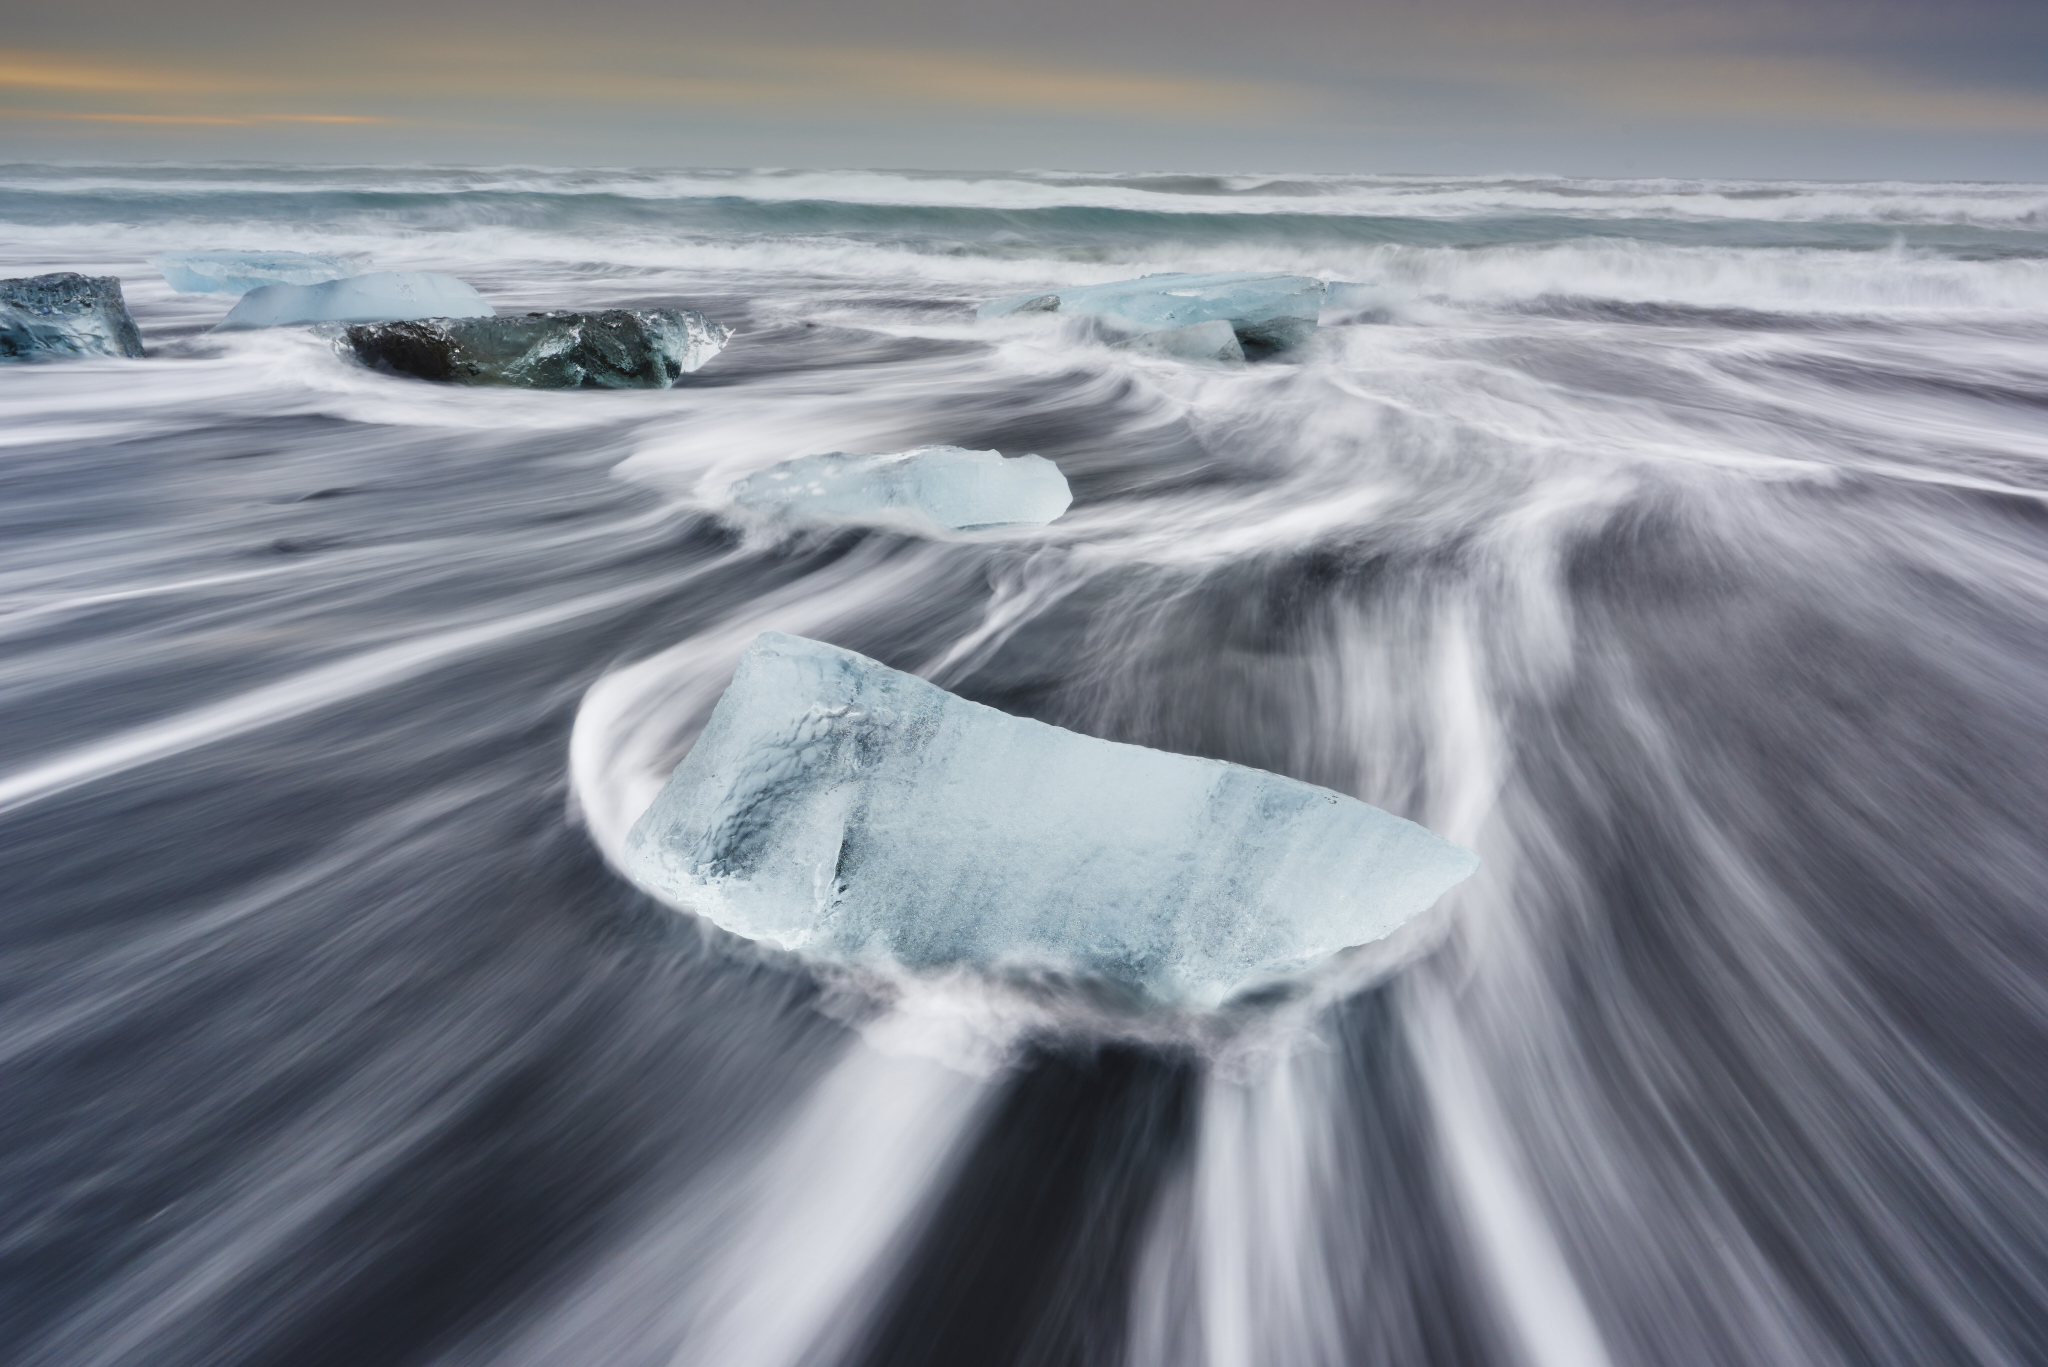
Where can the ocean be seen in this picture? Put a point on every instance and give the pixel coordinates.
(1681, 547)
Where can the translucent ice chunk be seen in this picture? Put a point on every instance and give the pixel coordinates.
(950, 486)
(1214, 340)
(611, 349)
(373, 298)
(48, 317)
(1266, 312)
(856, 814)
(240, 272)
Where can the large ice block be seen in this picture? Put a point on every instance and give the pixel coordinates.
(1266, 312)
(378, 297)
(239, 272)
(53, 317)
(849, 812)
(1214, 340)
(952, 487)
(611, 349)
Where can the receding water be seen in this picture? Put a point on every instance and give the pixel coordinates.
(1681, 547)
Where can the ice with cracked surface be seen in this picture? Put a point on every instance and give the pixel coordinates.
(947, 485)
(230, 272)
(65, 316)
(381, 296)
(855, 814)
(1265, 312)
(605, 349)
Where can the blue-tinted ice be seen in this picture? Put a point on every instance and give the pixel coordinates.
(853, 813)
(949, 486)
(1265, 312)
(65, 315)
(240, 272)
(382, 296)
(1214, 340)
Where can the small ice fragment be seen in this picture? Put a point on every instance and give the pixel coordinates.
(240, 272)
(1214, 340)
(378, 297)
(52, 317)
(856, 814)
(610, 349)
(952, 487)
(1267, 312)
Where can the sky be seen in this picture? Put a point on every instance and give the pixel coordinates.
(1833, 89)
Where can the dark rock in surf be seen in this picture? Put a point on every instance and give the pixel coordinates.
(63, 316)
(607, 349)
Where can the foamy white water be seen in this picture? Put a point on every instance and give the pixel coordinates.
(1678, 546)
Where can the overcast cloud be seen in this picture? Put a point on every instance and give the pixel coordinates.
(1882, 88)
